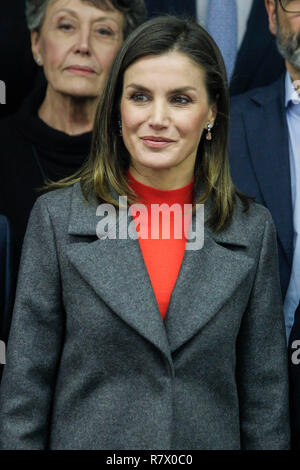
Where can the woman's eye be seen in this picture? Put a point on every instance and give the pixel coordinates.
(105, 32)
(181, 100)
(139, 97)
(65, 26)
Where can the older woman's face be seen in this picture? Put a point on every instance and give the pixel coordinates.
(77, 45)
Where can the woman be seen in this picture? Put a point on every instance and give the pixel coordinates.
(114, 347)
(75, 42)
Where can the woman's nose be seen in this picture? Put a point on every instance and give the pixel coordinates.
(159, 116)
(82, 45)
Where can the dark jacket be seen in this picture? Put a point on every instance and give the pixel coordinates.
(259, 159)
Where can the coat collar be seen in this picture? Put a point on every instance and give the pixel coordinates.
(268, 94)
(116, 271)
(83, 219)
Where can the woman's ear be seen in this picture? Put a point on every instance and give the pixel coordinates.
(35, 46)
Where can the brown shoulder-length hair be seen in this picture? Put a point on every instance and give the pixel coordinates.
(109, 159)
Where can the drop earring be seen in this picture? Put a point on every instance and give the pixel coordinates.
(120, 127)
(208, 135)
(38, 60)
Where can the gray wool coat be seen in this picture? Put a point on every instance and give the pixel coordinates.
(92, 365)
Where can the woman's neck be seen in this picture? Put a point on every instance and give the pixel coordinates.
(68, 114)
(165, 180)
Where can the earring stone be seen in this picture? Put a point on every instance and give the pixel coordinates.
(120, 128)
(208, 135)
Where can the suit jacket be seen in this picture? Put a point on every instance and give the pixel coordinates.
(92, 365)
(260, 167)
(259, 158)
(258, 62)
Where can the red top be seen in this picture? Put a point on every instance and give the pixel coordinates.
(162, 250)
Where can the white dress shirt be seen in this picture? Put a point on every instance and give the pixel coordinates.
(292, 103)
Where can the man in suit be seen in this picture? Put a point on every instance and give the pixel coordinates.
(265, 156)
(257, 62)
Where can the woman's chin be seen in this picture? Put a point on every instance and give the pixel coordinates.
(79, 92)
(157, 163)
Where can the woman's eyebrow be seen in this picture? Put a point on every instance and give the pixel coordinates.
(183, 89)
(66, 10)
(138, 87)
(73, 13)
(175, 90)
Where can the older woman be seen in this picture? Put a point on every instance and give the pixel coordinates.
(75, 42)
(129, 332)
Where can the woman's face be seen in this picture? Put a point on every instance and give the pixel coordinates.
(164, 109)
(77, 45)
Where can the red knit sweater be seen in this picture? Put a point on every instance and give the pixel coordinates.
(162, 251)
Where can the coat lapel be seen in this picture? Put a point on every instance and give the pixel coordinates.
(115, 269)
(202, 287)
(267, 136)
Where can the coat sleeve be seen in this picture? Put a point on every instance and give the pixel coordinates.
(262, 365)
(35, 340)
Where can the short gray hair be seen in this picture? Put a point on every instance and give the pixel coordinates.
(135, 12)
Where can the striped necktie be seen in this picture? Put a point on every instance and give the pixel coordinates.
(222, 25)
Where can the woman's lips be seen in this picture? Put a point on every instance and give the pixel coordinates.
(156, 143)
(80, 70)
